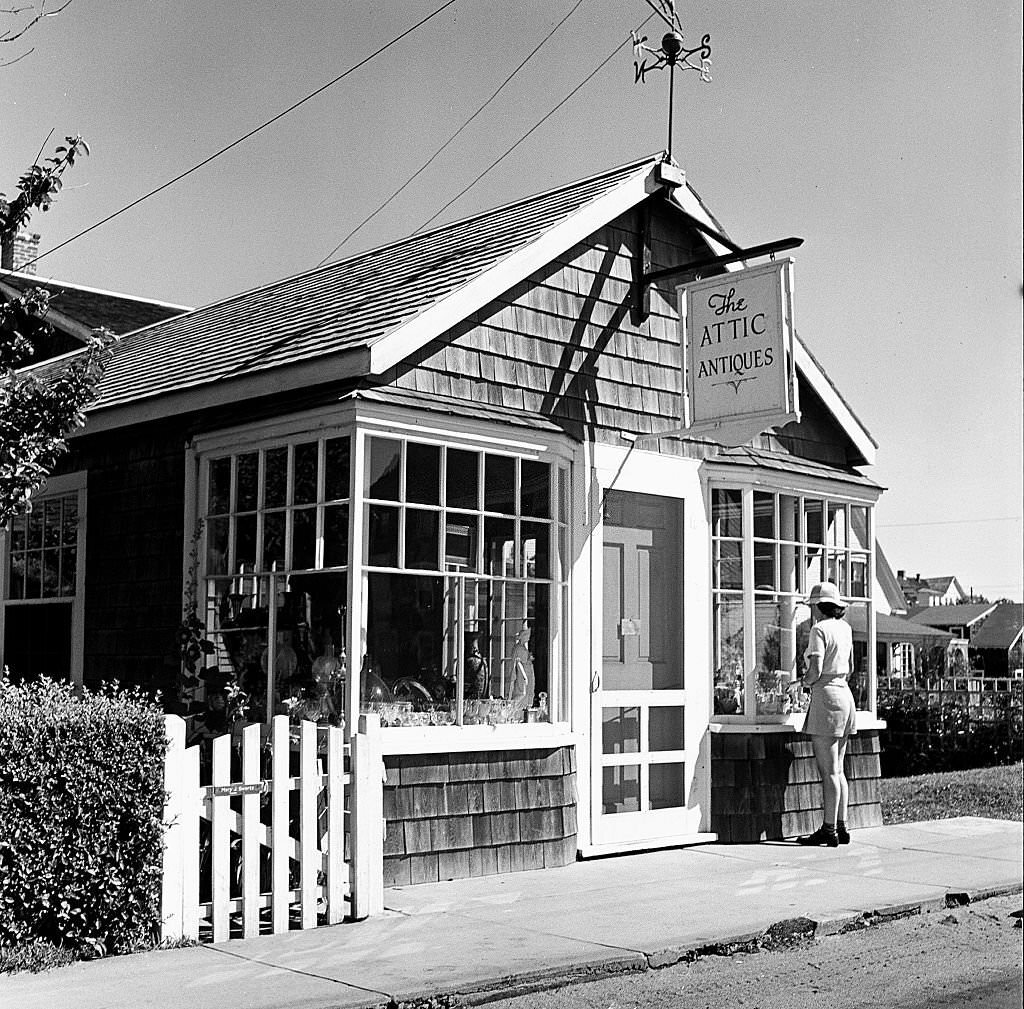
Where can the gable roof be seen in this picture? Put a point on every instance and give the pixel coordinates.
(365, 314)
(1002, 628)
(956, 614)
(90, 307)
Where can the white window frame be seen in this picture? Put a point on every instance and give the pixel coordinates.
(830, 494)
(57, 486)
(361, 420)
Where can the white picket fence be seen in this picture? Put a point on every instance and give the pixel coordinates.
(295, 865)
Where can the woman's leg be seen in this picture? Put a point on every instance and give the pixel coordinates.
(826, 756)
(844, 785)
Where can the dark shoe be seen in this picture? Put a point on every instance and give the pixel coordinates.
(819, 837)
(843, 835)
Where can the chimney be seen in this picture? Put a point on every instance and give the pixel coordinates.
(918, 577)
(901, 575)
(19, 251)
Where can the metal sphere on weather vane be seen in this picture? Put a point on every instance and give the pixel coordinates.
(672, 44)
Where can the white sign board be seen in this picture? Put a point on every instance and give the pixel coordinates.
(739, 369)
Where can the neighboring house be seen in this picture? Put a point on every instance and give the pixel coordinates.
(996, 646)
(943, 591)
(75, 311)
(456, 463)
(961, 619)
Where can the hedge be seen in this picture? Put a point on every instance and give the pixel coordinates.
(81, 808)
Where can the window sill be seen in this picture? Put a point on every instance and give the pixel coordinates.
(727, 724)
(459, 739)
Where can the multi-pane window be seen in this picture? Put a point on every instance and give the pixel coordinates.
(276, 550)
(41, 604)
(768, 549)
(460, 578)
(462, 550)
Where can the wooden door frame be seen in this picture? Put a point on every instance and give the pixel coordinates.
(627, 468)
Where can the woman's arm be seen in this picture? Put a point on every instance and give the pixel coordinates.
(813, 673)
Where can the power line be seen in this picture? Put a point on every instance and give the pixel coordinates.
(949, 522)
(251, 133)
(450, 140)
(532, 130)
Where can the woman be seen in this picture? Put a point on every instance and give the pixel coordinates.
(831, 716)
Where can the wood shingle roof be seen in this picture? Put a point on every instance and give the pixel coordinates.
(342, 307)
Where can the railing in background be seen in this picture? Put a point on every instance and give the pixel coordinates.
(262, 847)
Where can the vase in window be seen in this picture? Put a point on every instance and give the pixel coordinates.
(523, 683)
(477, 674)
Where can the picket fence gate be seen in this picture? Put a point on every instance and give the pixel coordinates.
(295, 864)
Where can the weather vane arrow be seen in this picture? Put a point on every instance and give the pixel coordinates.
(673, 53)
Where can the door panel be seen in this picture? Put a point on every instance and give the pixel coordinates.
(644, 749)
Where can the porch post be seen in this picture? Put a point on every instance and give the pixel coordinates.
(367, 805)
(172, 885)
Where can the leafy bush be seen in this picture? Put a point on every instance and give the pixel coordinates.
(948, 730)
(81, 808)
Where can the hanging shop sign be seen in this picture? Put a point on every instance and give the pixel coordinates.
(739, 367)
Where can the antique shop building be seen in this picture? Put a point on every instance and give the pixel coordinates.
(449, 479)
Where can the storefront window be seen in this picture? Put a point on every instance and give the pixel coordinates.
(761, 622)
(276, 546)
(462, 574)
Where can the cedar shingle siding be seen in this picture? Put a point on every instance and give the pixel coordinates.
(564, 343)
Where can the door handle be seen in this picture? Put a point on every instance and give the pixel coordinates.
(595, 682)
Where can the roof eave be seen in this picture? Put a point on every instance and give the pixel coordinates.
(394, 347)
(223, 392)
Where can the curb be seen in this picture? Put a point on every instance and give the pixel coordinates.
(780, 935)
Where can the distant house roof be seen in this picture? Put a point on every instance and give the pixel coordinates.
(91, 307)
(953, 615)
(892, 628)
(1002, 628)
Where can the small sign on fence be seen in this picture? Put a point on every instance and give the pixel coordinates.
(256, 788)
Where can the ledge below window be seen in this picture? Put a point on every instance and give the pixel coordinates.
(460, 739)
(783, 723)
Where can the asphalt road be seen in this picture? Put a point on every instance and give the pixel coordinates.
(969, 956)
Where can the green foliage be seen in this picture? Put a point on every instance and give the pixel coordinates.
(34, 956)
(81, 808)
(39, 186)
(995, 792)
(38, 410)
(947, 730)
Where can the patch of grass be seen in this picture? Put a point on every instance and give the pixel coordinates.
(35, 956)
(995, 792)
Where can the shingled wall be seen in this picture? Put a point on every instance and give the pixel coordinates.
(134, 548)
(564, 343)
(456, 815)
(767, 787)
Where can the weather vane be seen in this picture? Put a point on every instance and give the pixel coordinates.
(673, 53)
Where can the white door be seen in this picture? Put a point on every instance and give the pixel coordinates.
(645, 737)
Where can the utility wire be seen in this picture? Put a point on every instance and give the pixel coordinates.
(251, 133)
(426, 164)
(533, 129)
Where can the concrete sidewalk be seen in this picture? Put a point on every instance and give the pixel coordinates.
(547, 927)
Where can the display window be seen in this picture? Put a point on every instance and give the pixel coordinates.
(275, 531)
(458, 565)
(462, 560)
(769, 548)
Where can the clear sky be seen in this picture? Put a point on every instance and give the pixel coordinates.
(888, 135)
